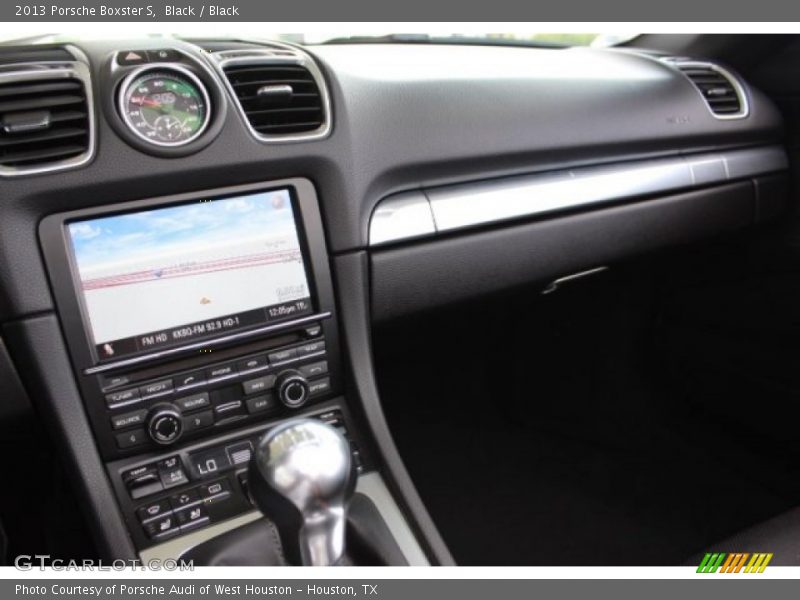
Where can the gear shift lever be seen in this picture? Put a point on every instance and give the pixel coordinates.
(302, 478)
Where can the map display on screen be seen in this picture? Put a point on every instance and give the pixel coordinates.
(170, 276)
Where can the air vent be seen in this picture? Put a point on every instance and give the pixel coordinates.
(45, 120)
(282, 100)
(720, 89)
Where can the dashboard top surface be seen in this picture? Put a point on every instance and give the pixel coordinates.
(403, 117)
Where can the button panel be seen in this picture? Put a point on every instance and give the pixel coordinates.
(196, 390)
(191, 490)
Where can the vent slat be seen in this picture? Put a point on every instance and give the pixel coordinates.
(39, 102)
(36, 156)
(717, 89)
(42, 120)
(47, 136)
(298, 112)
(283, 128)
(40, 88)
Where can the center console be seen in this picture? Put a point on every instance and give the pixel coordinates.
(195, 323)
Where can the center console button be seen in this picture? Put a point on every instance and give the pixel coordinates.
(170, 470)
(132, 438)
(282, 355)
(262, 384)
(129, 419)
(113, 381)
(155, 509)
(193, 402)
(198, 421)
(208, 463)
(185, 499)
(142, 481)
(253, 363)
(259, 404)
(311, 348)
(313, 331)
(193, 379)
(319, 387)
(162, 528)
(122, 396)
(195, 516)
(314, 369)
(156, 389)
(215, 491)
(221, 371)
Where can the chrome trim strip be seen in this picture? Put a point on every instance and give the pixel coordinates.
(136, 360)
(285, 55)
(53, 70)
(405, 216)
(369, 484)
(401, 217)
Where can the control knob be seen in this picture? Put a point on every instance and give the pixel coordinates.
(292, 388)
(164, 424)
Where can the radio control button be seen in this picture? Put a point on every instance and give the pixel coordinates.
(262, 384)
(192, 379)
(156, 388)
(122, 396)
(311, 348)
(130, 439)
(319, 387)
(148, 512)
(259, 404)
(193, 402)
(113, 381)
(198, 421)
(170, 470)
(282, 355)
(164, 424)
(313, 331)
(129, 419)
(254, 363)
(314, 369)
(292, 389)
(221, 371)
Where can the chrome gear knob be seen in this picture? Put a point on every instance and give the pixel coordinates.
(302, 478)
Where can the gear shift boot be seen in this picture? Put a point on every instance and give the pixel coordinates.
(369, 542)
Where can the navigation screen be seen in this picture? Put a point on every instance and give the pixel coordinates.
(172, 276)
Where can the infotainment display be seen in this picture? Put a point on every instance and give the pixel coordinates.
(174, 275)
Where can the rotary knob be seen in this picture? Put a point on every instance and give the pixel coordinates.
(292, 389)
(164, 424)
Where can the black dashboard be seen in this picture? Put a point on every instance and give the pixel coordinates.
(418, 176)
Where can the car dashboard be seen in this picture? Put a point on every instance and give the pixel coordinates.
(408, 177)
